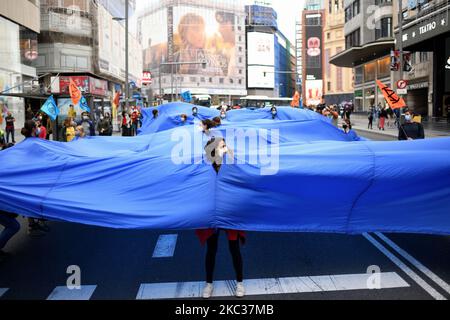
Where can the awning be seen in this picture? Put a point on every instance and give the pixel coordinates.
(358, 55)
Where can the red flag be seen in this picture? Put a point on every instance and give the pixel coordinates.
(75, 93)
(295, 100)
(116, 100)
(394, 101)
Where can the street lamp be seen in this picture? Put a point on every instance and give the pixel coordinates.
(127, 85)
(172, 64)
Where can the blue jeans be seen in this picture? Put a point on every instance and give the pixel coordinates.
(11, 228)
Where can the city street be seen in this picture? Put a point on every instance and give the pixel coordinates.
(120, 264)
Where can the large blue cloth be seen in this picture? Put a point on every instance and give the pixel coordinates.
(293, 173)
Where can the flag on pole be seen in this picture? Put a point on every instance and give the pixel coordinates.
(394, 101)
(84, 105)
(75, 93)
(295, 103)
(50, 108)
(187, 96)
(116, 100)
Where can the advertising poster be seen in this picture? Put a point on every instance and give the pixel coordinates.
(314, 92)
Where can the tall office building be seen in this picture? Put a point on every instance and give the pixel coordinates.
(19, 30)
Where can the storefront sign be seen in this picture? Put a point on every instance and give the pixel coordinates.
(87, 85)
(426, 29)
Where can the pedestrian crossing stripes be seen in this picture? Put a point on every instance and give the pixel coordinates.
(288, 285)
(3, 291)
(64, 293)
(165, 247)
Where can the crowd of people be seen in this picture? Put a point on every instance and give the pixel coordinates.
(130, 122)
(215, 149)
(384, 116)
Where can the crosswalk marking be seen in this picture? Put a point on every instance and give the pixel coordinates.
(431, 291)
(64, 293)
(165, 247)
(170, 290)
(3, 291)
(444, 285)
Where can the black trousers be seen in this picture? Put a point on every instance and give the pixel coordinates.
(211, 252)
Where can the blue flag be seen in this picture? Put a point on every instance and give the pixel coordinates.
(187, 96)
(50, 108)
(84, 105)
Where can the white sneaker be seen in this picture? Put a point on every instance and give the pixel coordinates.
(208, 290)
(240, 291)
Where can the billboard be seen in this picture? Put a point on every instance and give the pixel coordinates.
(261, 77)
(313, 92)
(261, 48)
(313, 46)
(195, 32)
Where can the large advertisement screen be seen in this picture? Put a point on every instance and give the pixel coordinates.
(313, 46)
(314, 92)
(188, 33)
(261, 48)
(261, 77)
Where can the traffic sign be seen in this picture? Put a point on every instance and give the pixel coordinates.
(401, 84)
(402, 87)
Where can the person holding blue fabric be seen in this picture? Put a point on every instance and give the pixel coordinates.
(216, 149)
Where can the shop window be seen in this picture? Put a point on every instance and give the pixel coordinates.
(369, 71)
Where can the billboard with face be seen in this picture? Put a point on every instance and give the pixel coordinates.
(188, 33)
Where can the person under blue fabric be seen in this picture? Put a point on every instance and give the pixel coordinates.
(11, 227)
(216, 149)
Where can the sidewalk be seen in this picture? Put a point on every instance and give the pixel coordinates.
(432, 130)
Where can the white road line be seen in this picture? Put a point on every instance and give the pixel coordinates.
(436, 295)
(165, 247)
(3, 291)
(444, 285)
(171, 290)
(64, 293)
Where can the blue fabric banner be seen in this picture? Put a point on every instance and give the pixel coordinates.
(84, 104)
(293, 173)
(50, 108)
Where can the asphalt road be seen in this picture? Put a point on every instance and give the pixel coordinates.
(114, 264)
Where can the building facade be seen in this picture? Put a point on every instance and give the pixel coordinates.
(338, 81)
(270, 56)
(426, 35)
(19, 29)
(369, 41)
(80, 41)
(196, 46)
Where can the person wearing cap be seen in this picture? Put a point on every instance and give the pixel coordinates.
(410, 130)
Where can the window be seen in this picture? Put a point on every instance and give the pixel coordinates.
(240, 49)
(240, 59)
(339, 79)
(221, 80)
(356, 8)
(240, 71)
(231, 80)
(328, 35)
(353, 39)
(384, 28)
(202, 79)
(327, 62)
(328, 86)
(193, 79)
(369, 71)
(240, 81)
(210, 80)
(359, 77)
